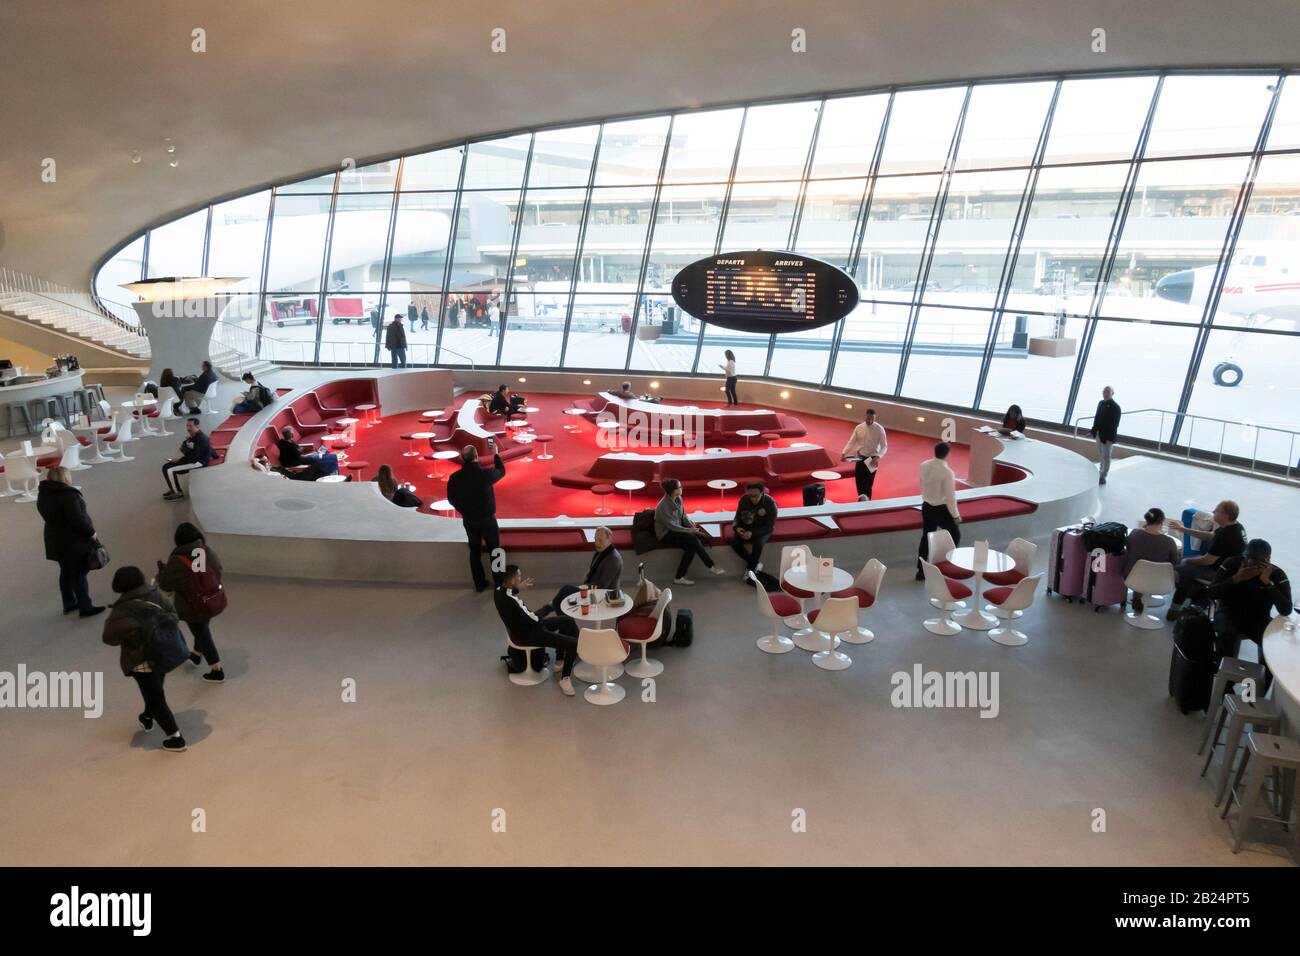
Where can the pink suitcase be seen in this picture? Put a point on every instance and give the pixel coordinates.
(1066, 563)
(1103, 583)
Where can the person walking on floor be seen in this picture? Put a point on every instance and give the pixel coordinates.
(70, 539)
(729, 369)
(938, 502)
(395, 341)
(1105, 429)
(675, 530)
(137, 614)
(424, 319)
(867, 446)
(192, 574)
(470, 493)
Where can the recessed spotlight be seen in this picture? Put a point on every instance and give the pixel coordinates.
(920, 418)
(848, 404)
(785, 394)
(522, 379)
(654, 384)
(586, 381)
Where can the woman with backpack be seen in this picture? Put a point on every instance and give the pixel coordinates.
(140, 623)
(192, 573)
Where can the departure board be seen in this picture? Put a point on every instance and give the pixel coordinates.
(763, 291)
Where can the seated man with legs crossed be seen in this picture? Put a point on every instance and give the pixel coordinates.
(675, 530)
(752, 526)
(527, 629)
(196, 452)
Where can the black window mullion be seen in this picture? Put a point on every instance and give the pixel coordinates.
(1020, 224)
(451, 252)
(266, 270)
(388, 255)
(722, 225)
(578, 248)
(931, 242)
(514, 247)
(325, 269)
(1229, 250)
(1111, 251)
(649, 242)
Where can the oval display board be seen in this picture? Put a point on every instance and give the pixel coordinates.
(763, 291)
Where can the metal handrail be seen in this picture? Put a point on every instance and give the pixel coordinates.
(1223, 423)
(11, 280)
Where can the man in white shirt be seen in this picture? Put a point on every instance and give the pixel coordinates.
(868, 445)
(938, 502)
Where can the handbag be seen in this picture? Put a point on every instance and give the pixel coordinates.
(98, 558)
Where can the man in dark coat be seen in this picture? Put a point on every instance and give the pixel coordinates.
(470, 492)
(1105, 429)
(395, 341)
(69, 539)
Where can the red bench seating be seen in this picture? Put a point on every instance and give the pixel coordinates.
(337, 399)
(775, 466)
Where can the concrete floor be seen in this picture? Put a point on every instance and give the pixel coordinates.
(710, 773)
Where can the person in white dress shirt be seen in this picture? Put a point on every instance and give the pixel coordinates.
(730, 370)
(938, 502)
(868, 445)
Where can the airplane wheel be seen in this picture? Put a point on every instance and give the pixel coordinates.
(1228, 375)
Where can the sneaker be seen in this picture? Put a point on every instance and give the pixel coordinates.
(717, 571)
(172, 496)
(863, 498)
(1173, 614)
(682, 581)
(759, 566)
(175, 745)
(69, 610)
(97, 609)
(1101, 481)
(1137, 606)
(751, 577)
(145, 721)
(566, 686)
(195, 658)
(214, 677)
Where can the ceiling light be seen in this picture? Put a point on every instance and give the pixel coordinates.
(654, 384)
(785, 394)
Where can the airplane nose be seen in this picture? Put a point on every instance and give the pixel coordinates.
(1177, 286)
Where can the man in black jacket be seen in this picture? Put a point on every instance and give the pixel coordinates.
(752, 526)
(395, 341)
(293, 463)
(1105, 428)
(1247, 590)
(526, 629)
(470, 492)
(196, 452)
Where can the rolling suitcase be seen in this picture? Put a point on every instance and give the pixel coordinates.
(1066, 563)
(1193, 665)
(1104, 585)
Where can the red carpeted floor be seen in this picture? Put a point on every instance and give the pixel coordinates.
(526, 490)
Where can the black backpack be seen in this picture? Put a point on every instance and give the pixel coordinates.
(684, 629)
(814, 495)
(1194, 635)
(264, 395)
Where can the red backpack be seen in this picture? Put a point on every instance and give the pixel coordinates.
(203, 591)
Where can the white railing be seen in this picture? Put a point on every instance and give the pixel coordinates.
(254, 346)
(1248, 436)
(59, 298)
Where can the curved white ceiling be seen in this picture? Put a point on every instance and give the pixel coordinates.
(290, 86)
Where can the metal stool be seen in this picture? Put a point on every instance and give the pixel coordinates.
(52, 406)
(1262, 715)
(88, 398)
(1232, 670)
(20, 408)
(1277, 758)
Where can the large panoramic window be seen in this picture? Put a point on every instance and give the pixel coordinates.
(1022, 241)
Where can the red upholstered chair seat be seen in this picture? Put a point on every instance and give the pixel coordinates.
(957, 589)
(796, 592)
(1007, 578)
(49, 461)
(85, 441)
(636, 628)
(951, 570)
(864, 599)
(783, 604)
(602, 489)
(998, 595)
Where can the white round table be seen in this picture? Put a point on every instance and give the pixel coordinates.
(599, 615)
(412, 452)
(723, 485)
(1281, 650)
(371, 419)
(531, 409)
(348, 426)
(977, 618)
(717, 451)
(748, 433)
(609, 424)
(140, 404)
(801, 444)
(629, 485)
(517, 423)
(332, 479)
(672, 432)
(525, 439)
(438, 456)
(91, 431)
(576, 413)
(442, 504)
(806, 637)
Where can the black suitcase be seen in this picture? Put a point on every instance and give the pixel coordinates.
(1193, 664)
(814, 495)
(684, 629)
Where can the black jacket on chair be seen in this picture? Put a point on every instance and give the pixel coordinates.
(519, 625)
(470, 489)
(69, 532)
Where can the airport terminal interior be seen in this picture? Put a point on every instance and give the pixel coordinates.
(344, 355)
